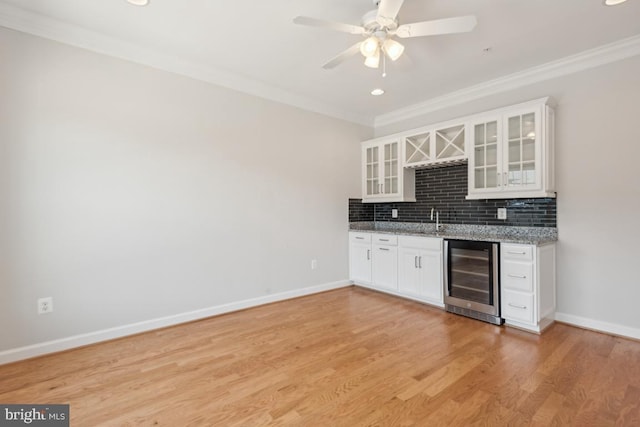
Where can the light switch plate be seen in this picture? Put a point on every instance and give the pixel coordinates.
(394, 213)
(502, 213)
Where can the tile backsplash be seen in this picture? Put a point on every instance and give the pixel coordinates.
(444, 189)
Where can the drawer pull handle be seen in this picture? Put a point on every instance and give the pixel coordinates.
(522, 307)
(360, 238)
(368, 254)
(384, 240)
(515, 276)
(516, 253)
(384, 249)
(415, 261)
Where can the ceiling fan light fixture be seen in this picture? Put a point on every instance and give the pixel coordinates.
(138, 2)
(369, 47)
(393, 49)
(613, 2)
(373, 61)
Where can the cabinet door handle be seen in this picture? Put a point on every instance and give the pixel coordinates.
(384, 249)
(360, 238)
(384, 240)
(415, 261)
(368, 254)
(499, 179)
(506, 181)
(516, 253)
(420, 262)
(515, 276)
(522, 307)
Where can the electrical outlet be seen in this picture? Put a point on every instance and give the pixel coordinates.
(45, 305)
(502, 213)
(394, 213)
(314, 264)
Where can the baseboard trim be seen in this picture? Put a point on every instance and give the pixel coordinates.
(47, 347)
(598, 325)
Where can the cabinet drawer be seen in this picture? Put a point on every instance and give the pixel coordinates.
(385, 239)
(360, 237)
(517, 252)
(427, 243)
(517, 276)
(518, 306)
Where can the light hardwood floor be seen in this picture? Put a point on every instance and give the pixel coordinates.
(348, 357)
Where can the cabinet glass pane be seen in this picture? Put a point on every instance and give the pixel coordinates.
(394, 150)
(514, 127)
(479, 156)
(374, 154)
(394, 169)
(529, 125)
(369, 171)
(391, 185)
(515, 175)
(529, 173)
(479, 134)
(492, 155)
(514, 151)
(387, 151)
(528, 149)
(492, 132)
(479, 178)
(492, 177)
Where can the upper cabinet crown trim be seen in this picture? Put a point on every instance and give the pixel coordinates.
(592, 58)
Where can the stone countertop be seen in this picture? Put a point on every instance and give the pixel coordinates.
(487, 233)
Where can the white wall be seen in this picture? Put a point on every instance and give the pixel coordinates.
(598, 158)
(129, 194)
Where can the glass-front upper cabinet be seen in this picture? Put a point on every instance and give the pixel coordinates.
(384, 178)
(522, 152)
(486, 156)
(512, 154)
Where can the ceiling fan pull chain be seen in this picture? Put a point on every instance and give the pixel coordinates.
(384, 65)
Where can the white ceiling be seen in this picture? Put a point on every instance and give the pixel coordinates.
(253, 45)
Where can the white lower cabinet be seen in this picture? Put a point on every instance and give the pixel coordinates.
(528, 286)
(406, 266)
(420, 268)
(360, 257)
(385, 261)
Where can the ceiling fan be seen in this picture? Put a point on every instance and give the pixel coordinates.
(378, 28)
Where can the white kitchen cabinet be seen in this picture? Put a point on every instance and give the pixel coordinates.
(511, 153)
(384, 265)
(437, 145)
(384, 179)
(527, 285)
(420, 268)
(360, 257)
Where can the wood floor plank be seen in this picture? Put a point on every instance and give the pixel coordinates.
(350, 357)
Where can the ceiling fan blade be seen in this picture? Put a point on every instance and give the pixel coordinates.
(340, 58)
(388, 11)
(460, 24)
(336, 26)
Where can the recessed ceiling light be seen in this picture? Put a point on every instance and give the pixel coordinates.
(613, 2)
(377, 92)
(138, 2)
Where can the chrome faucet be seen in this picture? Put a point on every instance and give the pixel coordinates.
(438, 225)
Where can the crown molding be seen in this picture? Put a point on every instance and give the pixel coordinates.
(592, 58)
(39, 25)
